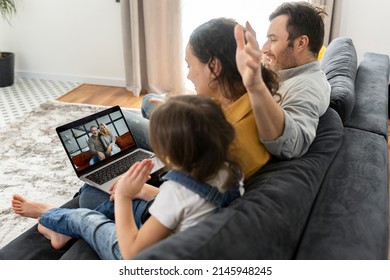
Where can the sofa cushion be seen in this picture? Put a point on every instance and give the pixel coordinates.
(267, 222)
(371, 89)
(339, 63)
(350, 219)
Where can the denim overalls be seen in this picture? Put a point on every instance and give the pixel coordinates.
(208, 192)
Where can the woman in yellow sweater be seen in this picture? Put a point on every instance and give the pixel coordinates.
(211, 59)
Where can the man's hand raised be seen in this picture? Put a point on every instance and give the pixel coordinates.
(248, 57)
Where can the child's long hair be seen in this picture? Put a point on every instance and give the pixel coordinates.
(190, 133)
(104, 130)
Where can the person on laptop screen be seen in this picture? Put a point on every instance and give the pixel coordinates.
(192, 137)
(101, 143)
(96, 146)
(108, 140)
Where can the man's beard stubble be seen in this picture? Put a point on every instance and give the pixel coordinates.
(284, 61)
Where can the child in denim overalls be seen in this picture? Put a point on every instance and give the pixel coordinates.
(192, 137)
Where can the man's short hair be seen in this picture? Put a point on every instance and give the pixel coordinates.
(304, 19)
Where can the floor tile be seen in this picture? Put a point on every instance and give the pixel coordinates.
(26, 94)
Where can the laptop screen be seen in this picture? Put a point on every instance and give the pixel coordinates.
(97, 139)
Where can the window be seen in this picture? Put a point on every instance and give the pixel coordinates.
(200, 11)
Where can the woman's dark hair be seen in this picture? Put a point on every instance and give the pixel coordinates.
(303, 19)
(215, 40)
(190, 132)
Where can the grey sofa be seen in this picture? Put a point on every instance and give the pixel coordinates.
(331, 203)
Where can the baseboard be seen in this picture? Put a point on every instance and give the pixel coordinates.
(75, 79)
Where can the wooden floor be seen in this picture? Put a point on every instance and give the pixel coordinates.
(102, 95)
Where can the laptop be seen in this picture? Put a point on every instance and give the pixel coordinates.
(101, 173)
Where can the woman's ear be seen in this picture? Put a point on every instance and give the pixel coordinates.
(215, 67)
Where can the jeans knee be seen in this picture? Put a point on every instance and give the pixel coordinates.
(147, 106)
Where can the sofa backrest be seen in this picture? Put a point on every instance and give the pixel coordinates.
(339, 64)
(371, 94)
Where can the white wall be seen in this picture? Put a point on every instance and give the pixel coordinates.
(70, 40)
(367, 22)
(81, 41)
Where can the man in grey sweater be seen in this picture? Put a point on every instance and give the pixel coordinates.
(286, 126)
(96, 146)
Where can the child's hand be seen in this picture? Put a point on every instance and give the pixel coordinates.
(130, 183)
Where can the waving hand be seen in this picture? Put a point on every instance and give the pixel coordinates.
(248, 56)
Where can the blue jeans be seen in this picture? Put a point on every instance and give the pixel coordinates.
(95, 159)
(95, 199)
(96, 227)
(139, 127)
(91, 197)
(147, 107)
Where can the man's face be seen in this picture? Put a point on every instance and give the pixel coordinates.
(94, 131)
(278, 52)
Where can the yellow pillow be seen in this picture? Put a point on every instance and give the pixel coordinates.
(321, 53)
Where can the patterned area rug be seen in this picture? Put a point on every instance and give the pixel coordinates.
(34, 164)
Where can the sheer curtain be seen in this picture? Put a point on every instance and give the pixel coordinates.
(152, 46)
(196, 12)
(332, 25)
(155, 33)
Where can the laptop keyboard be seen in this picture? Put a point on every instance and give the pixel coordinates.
(117, 168)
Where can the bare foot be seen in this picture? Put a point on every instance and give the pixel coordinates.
(58, 240)
(28, 208)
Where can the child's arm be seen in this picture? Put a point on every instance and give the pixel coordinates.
(147, 192)
(134, 240)
(131, 240)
